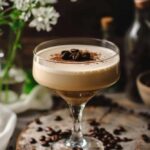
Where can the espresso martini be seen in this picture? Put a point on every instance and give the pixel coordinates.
(76, 80)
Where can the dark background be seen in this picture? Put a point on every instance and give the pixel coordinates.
(81, 18)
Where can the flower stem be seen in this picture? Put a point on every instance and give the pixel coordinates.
(13, 54)
(11, 58)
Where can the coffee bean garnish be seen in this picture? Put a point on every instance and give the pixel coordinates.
(76, 55)
(39, 129)
(58, 118)
(38, 121)
(86, 56)
(66, 55)
(33, 141)
(146, 138)
(74, 50)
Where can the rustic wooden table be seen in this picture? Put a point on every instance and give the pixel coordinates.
(25, 118)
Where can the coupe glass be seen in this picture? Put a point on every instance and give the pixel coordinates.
(76, 81)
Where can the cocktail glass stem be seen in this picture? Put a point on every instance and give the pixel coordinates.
(76, 139)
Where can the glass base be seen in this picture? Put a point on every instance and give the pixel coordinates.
(89, 143)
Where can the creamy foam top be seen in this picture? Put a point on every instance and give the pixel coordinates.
(107, 59)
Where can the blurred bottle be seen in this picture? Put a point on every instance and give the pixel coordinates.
(137, 46)
(108, 33)
(107, 27)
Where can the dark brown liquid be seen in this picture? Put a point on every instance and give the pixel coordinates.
(77, 97)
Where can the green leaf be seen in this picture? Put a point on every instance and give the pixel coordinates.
(17, 25)
(15, 14)
(29, 83)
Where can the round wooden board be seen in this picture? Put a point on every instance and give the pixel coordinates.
(134, 125)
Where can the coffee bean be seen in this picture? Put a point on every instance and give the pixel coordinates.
(42, 138)
(77, 148)
(58, 118)
(66, 134)
(93, 122)
(148, 126)
(146, 138)
(75, 55)
(48, 129)
(33, 141)
(75, 50)
(86, 56)
(10, 148)
(119, 130)
(45, 144)
(38, 121)
(145, 114)
(118, 147)
(127, 140)
(39, 129)
(65, 55)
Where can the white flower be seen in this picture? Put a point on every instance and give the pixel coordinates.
(3, 3)
(25, 16)
(24, 5)
(44, 18)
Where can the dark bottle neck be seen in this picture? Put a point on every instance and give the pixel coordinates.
(143, 16)
(108, 33)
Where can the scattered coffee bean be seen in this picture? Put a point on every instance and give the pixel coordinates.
(42, 138)
(50, 140)
(10, 148)
(93, 122)
(58, 118)
(145, 114)
(66, 134)
(119, 131)
(77, 148)
(146, 138)
(109, 140)
(33, 141)
(126, 139)
(39, 129)
(45, 144)
(118, 147)
(148, 126)
(55, 138)
(38, 121)
(49, 133)
(48, 129)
